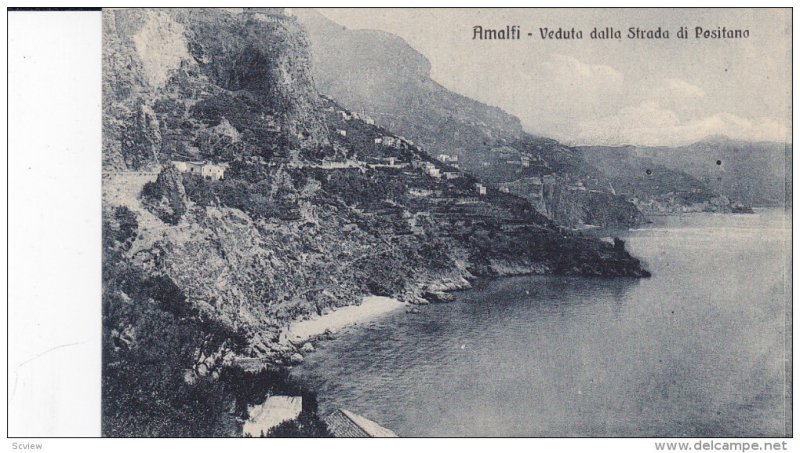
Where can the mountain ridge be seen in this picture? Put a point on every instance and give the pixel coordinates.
(444, 122)
(750, 173)
(454, 125)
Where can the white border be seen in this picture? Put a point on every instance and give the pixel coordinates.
(54, 226)
(54, 248)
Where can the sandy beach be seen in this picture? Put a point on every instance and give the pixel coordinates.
(371, 307)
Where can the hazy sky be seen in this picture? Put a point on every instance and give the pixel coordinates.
(614, 91)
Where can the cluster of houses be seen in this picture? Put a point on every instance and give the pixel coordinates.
(208, 170)
(216, 171)
(348, 116)
(394, 142)
(524, 160)
(385, 162)
(363, 117)
(429, 168)
(514, 157)
(447, 158)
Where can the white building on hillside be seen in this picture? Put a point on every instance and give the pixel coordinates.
(207, 170)
(275, 410)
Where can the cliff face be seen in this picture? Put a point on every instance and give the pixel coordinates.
(315, 211)
(172, 77)
(592, 208)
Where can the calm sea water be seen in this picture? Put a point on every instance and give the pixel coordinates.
(696, 350)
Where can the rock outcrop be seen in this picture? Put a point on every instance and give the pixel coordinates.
(166, 196)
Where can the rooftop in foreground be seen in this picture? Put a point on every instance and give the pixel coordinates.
(343, 423)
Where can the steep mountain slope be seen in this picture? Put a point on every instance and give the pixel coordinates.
(299, 206)
(381, 74)
(749, 173)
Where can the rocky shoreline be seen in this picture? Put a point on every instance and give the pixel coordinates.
(298, 346)
(292, 347)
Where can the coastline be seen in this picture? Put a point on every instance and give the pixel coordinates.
(371, 307)
(607, 304)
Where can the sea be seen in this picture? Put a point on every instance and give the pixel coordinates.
(700, 349)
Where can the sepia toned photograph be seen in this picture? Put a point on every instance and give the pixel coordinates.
(446, 222)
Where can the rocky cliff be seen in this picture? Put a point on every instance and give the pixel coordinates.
(316, 209)
(196, 83)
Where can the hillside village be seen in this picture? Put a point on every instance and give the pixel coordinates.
(388, 152)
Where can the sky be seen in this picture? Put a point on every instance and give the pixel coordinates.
(610, 92)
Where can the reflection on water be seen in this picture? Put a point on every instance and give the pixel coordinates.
(696, 350)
